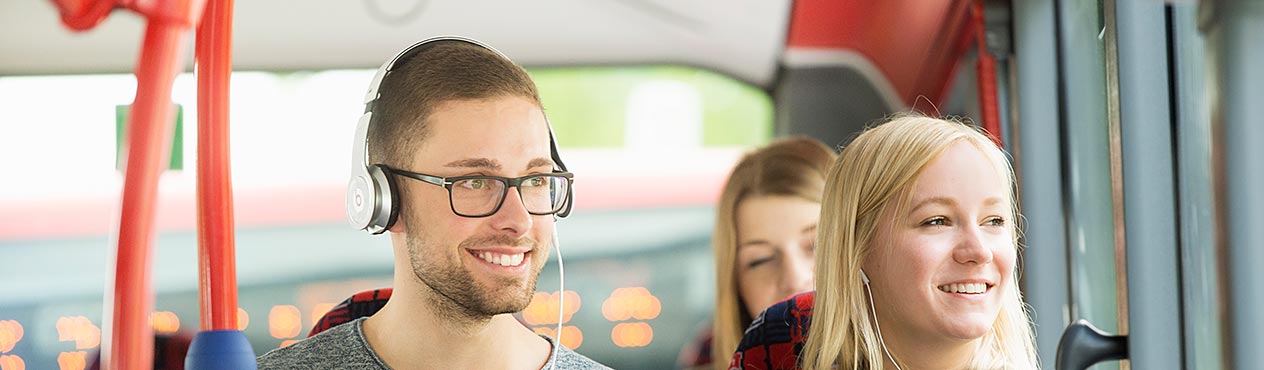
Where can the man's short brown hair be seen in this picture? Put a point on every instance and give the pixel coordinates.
(444, 71)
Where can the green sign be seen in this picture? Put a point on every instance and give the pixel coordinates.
(177, 143)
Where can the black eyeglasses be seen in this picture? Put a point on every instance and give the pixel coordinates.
(482, 196)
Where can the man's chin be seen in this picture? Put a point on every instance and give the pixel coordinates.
(503, 307)
(507, 300)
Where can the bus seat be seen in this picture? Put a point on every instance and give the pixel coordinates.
(361, 304)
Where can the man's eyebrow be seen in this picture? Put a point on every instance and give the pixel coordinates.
(540, 162)
(484, 163)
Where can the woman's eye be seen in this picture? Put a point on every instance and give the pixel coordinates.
(936, 221)
(995, 221)
(758, 262)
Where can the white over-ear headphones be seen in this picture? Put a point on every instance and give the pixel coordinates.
(372, 202)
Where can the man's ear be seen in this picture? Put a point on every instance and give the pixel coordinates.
(398, 227)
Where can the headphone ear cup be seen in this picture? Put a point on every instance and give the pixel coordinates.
(390, 190)
(385, 208)
(566, 209)
(361, 200)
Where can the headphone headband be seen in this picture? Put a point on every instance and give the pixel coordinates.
(414, 49)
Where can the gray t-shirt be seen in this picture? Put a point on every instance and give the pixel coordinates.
(344, 347)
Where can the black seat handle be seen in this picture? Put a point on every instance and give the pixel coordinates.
(1083, 345)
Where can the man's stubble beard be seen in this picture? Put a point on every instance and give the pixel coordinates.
(458, 294)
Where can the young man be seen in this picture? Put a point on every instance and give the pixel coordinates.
(458, 133)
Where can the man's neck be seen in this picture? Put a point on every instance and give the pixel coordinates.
(411, 333)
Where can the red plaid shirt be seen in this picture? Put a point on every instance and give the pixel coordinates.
(776, 337)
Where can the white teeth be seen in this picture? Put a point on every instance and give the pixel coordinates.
(507, 260)
(967, 288)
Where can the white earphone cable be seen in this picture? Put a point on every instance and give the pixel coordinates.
(561, 299)
(879, 327)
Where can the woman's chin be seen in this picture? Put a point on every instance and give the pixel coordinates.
(968, 328)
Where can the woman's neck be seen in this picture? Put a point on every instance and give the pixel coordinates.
(920, 352)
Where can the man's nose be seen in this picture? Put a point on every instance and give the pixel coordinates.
(512, 217)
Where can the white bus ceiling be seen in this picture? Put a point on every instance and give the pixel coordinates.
(741, 38)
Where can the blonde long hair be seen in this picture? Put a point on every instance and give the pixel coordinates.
(794, 167)
(873, 174)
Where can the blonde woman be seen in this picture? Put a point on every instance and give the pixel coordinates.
(916, 255)
(764, 239)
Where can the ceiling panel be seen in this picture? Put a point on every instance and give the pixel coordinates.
(742, 38)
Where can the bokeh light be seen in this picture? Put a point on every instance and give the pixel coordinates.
(72, 360)
(243, 319)
(80, 330)
(10, 334)
(631, 303)
(544, 306)
(12, 362)
(632, 334)
(165, 322)
(284, 321)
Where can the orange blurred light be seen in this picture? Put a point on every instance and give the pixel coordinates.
(165, 322)
(243, 319)
(284, 321)
(572, 304)
(613, 308)
(632, 334)
(10, 334)
(72, 360)
(287, 342)
(88, 335)
(12, 362)
(646, 307)
(572, 337)
(631, 303)
(543, 308)
(80, 330)
(319, 311)
(64, 329)
(536, 312)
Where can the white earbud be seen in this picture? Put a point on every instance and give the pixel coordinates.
(864, 278)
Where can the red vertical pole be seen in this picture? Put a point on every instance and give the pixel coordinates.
(217, 268)
(148, 141)
(986, 71)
